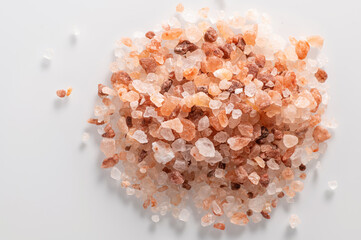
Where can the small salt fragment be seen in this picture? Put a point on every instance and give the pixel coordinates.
(215, 104)
(155, 218)
(61, 93)
(294, 221)
(332, 184)
(180, 8)
(115, 173)
(184, 215)
(205, 147)
(254, 178)
(236, 113)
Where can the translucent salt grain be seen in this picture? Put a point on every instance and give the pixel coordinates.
(184, 215)
(238, 90)
(223, 74)
(272, 164)
(256, 204)
(167, 134)
(115, 173)
(290, 140)
(179, 145)
(140, 136)
(203, 123)
(193, 33)
(174, 124)
(236, 113)
(162, 152)
(229, 108)
(254, 178)
(207, 220)
(205, 147)
(215, 104)
(221, 137)
(155, 218)
(85, 137)
(294, 221)
(49, 54)
(332, 184)
(250, 89)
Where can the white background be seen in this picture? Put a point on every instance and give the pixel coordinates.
(51, 187)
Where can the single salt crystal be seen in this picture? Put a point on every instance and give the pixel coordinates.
(260, 162)
(256, 217)
(155, 218)
(238, 90)
(332, 184)
(271, 189)
(250, 89)
(205, 147)
(149, 112)
(85, 137)
(272, 164)
(221, 137)
(254, 178)
(236, 113)
(256, 204)
(162, 152)
(180, 165)
(215, 104)
(302, 102)
(294, 221)
(229, 108)
(217, 158)
(184, 215)
(179, 145)
(49, 54)
(290, 140)
(115, 173)
(107, 146)
(140, 136)
(219, 173)
(174, 124)
(203, 123)
(193, 33)
(207, 220)
(223, 74)
(167, 134)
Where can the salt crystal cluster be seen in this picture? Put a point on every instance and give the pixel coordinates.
(221, 112)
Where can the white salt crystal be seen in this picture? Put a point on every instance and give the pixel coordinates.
(229, 108)
(203, 123)
(184, 215)
(250, 89)
(85, 137)
(290, 140)
(238, 90)
(115, 173)
(167, 134)
(272, 164)
(155, 218)
(236, 113)
(215, 104)
(223, 74)
(179, 145)
(271, 189)
(205, 147)
(149, 112)
(140, 136)
(294, 221)
(162, 152)
(332, 184)
(49, 54)
(193, 33)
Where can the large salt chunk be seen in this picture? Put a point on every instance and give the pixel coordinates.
(203, 123)
(140, 136)
(290, 140)
(162, 152)
(107, 146)
(205, 147)
(174, 124)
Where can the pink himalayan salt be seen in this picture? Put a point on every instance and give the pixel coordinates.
(237, 143)
(174, 124)
(290, 140)
(140, 136)
(297, 186)
(254, 178)
(107, 146)
(239, 219)
(203, 123)
(205, 147)
(162, 152)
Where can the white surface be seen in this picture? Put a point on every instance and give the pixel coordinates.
(52, 186)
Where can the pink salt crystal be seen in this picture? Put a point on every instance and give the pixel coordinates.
(157, 99)
(237, 143)
(297, 186)
(246, 129)
(174, 124)
(254, 178)
(315, 41)
(217, 158)
(176, 177)
(236, 113)
(180, 8)
(271, 164)
(162, 152)
(262, 100)
(179, 145)
(203, 123)
(196, 155)
(205, 147)
(221, 137)
(290, 140)
(250, 89)
(215, 104)
(239, 219)
(140, 136)
(260, 162)
(217, 210)
(107, 146)
(207, 220)
(167, 134)
(294, 221)
(193, 33)
(223, 74)
(257, 204)
(122, 125)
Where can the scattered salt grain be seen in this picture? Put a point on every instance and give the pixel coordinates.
(155, 218)
(115, 173)
(294, 221)
(184, 215)
(332, 184)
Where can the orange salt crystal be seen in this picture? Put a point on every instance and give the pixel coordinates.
(219, 226)
(61, 93)
(287, 174)
(320, 134)
(302, 48)
(172, 34)
(201, 99)
(315, 41)
(223, 119)
(224, 30)
(189, 130)
(179, 7)
(127, 42)
(190, 73)
(303, 176)
(170, 103)
(69, 91)
(239, 219)
(214, 89)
